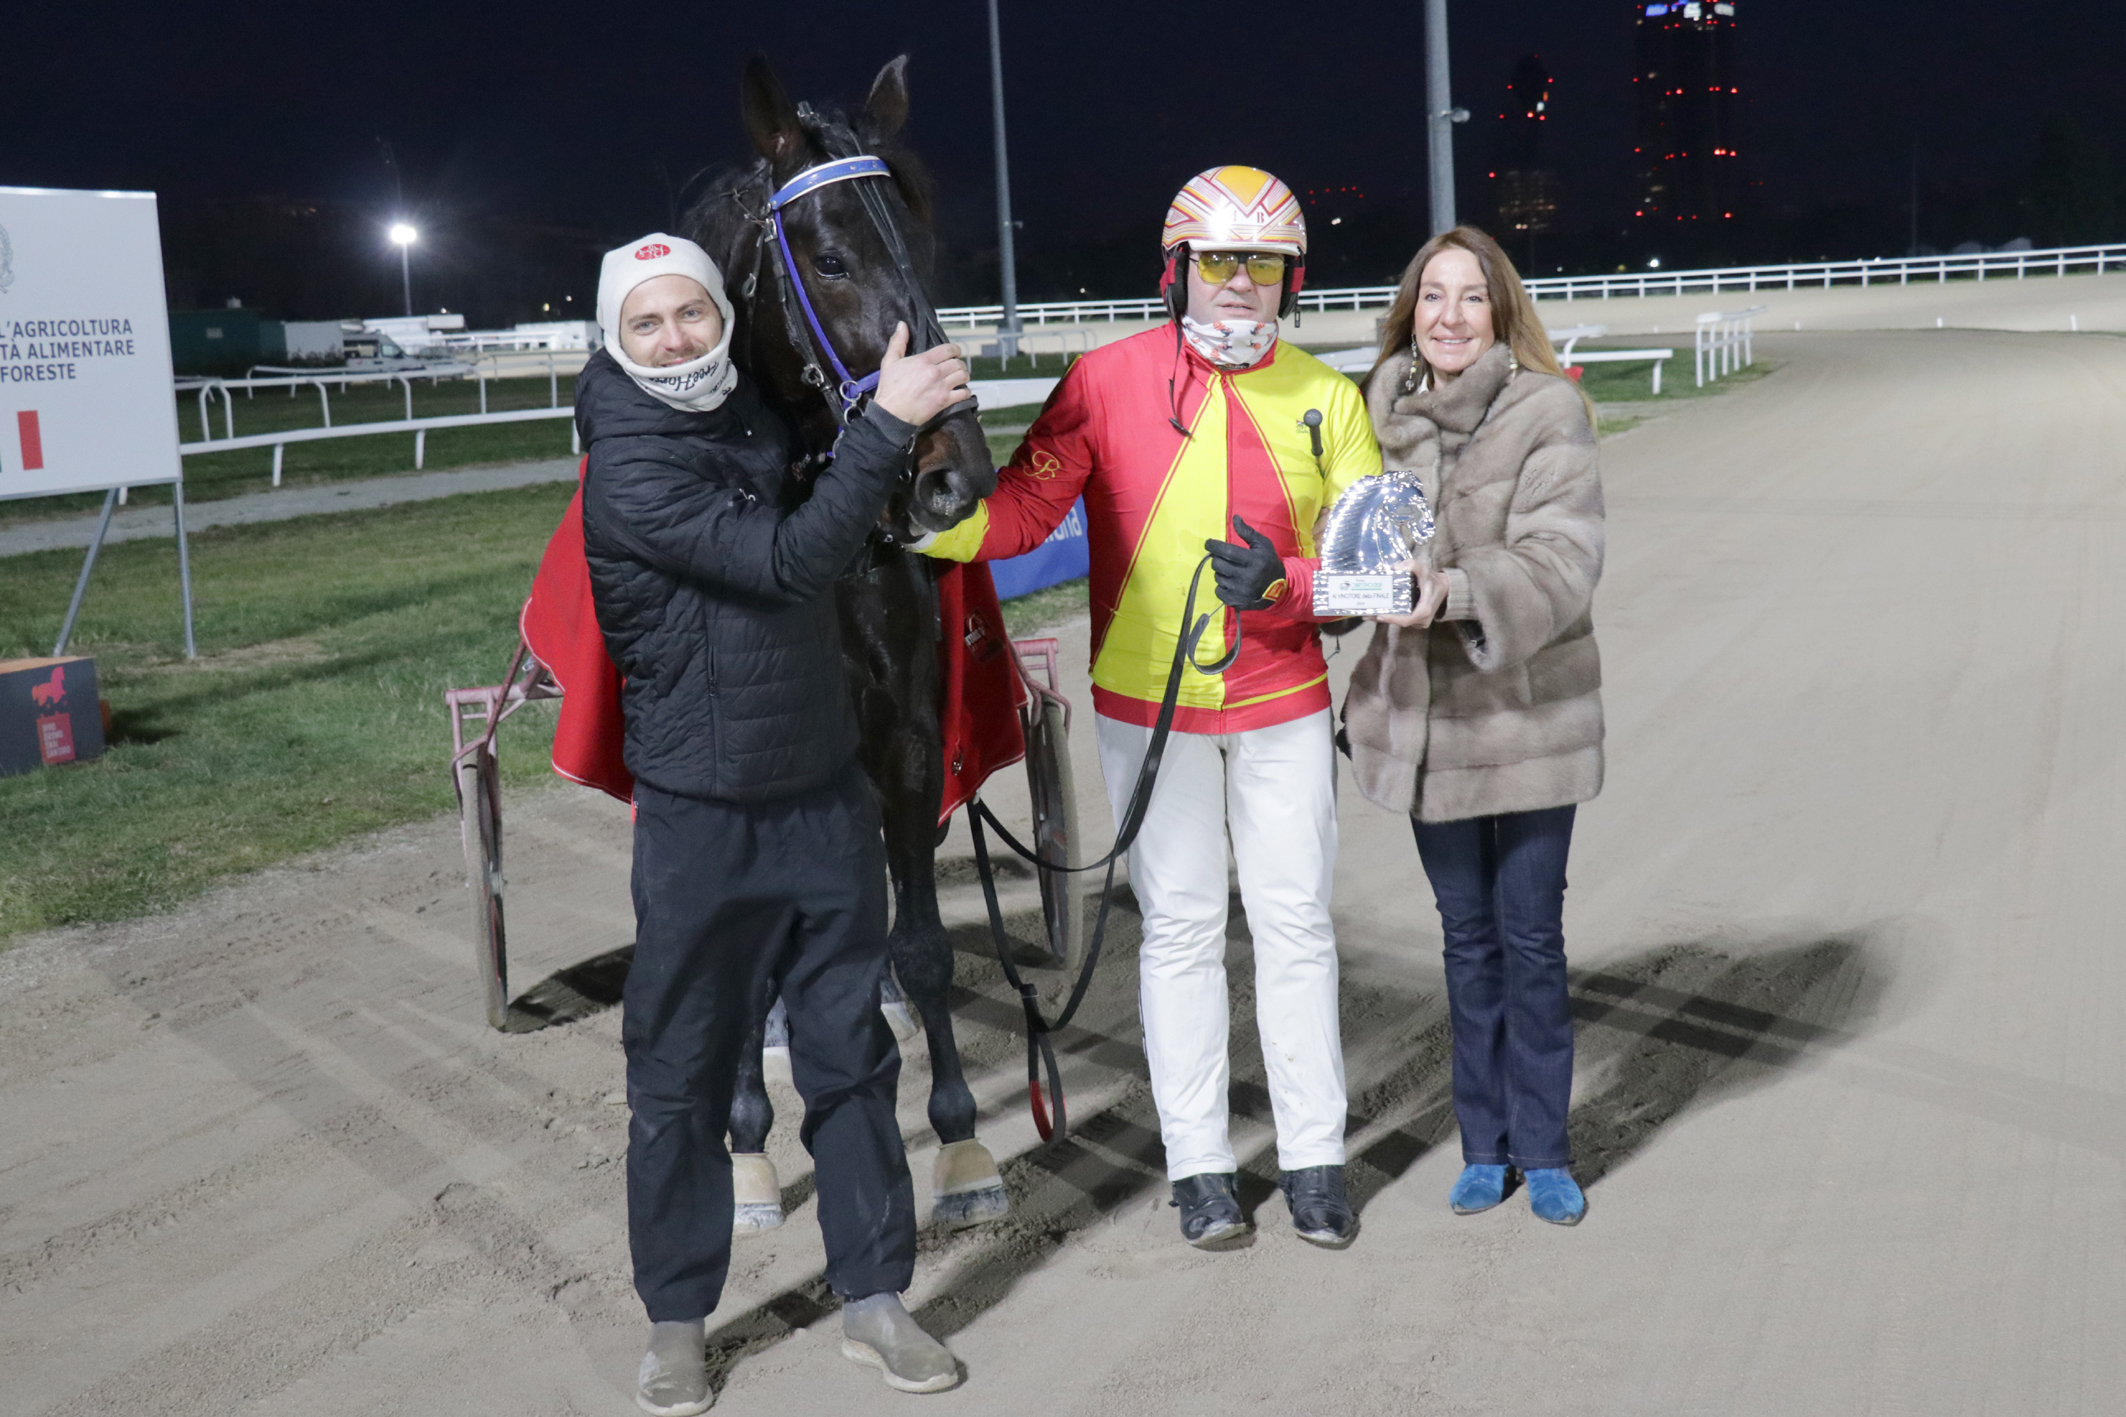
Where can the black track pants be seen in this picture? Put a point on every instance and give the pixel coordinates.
(731, 903)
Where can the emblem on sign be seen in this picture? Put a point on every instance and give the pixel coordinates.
(7, 262)
(1371, 535)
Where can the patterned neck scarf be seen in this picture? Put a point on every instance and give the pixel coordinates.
(1230, 344)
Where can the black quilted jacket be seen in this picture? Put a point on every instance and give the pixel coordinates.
(712, 574)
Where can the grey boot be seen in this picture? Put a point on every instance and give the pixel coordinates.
(674, 1378)
(1210, 1211)
(878, 1331)
(1321, 1211)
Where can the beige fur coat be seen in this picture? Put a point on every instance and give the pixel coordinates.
(1497, 707)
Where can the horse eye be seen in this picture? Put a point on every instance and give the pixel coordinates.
(830, 265)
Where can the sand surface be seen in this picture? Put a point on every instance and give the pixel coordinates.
(1845, 931)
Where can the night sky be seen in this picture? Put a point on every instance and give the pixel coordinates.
(589, 116)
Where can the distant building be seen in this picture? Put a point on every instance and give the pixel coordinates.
(1524, 192)
(1689, 107)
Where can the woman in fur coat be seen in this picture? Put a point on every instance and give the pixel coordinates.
(1480, 713)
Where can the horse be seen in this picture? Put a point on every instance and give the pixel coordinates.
(821, 289)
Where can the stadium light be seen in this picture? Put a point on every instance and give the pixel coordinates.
(403, 237)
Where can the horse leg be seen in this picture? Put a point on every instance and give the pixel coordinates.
(756, 1191)
(965, 1186)
(889, 640)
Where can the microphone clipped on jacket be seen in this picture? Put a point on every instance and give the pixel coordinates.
(1312, 419)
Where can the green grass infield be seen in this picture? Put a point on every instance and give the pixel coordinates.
(314, 713)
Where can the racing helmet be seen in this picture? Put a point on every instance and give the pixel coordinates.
(1234, 209)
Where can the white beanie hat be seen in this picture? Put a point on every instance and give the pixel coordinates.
(700, 384)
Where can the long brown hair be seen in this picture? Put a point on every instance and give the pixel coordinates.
(1514, 322)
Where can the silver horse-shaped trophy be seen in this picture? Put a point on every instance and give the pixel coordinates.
(1367, 541)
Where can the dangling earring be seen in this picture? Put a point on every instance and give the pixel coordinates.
(1410, 374)
(1513, 362)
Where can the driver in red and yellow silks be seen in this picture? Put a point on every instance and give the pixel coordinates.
(1212, 434)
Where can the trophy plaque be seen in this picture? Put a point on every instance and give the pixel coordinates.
(1367, 541)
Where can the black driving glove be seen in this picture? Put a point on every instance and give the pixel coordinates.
(1250, 577)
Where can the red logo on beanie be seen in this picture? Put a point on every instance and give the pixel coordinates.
(652, 251)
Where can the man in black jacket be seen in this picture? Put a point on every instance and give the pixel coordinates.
(759, 866)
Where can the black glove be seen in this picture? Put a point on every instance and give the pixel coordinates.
(1250, 577)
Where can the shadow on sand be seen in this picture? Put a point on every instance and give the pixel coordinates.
(573, 994)
(1657, 1033)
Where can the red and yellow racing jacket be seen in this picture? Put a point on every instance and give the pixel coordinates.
(1153, 497)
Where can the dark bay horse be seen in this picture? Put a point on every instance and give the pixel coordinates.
(856, 253)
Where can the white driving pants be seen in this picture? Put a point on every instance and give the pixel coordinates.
(1274, 789)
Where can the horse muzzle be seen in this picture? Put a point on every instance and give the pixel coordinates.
(952, 473)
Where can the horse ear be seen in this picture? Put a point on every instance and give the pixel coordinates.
(771, 119)
(886, 109)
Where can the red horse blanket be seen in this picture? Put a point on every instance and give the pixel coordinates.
(980, 688)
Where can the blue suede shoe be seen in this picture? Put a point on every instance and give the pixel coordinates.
(1554, 1196)
(1478, 1188)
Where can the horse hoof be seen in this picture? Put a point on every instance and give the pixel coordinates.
(966, 1187)
(775, 1065)
(756, 1194)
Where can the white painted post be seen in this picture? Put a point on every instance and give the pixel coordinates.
(420, 448)
(278, 449)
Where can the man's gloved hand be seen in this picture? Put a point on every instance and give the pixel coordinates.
(1250, 577)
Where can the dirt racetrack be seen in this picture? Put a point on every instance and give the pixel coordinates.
(1845, 927)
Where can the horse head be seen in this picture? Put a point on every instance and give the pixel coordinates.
(857, 262)
(1378, 522)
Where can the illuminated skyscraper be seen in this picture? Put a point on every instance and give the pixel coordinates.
(1524, 191)
(1689, 111)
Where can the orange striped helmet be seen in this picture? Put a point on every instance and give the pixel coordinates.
(1236, 209)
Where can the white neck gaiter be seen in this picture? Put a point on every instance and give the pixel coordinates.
(1231, 344)
(696, 386)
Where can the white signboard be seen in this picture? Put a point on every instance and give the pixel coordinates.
(85, 401)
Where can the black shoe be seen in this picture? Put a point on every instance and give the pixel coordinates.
(1210, 1210)
(1321, 1212)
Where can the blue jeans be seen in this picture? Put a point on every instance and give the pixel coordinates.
(1500, 884)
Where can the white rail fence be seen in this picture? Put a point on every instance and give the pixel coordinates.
(1063, 342)
(1354, 361)
(1723, 343)
(2051, 261)
(208, 389)
(419, 427)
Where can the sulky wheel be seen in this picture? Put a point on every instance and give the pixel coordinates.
(480, 806)
(1055, 830)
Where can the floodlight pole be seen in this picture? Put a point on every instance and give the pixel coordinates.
(1440, 116)
(1008, 327)
(406, 274)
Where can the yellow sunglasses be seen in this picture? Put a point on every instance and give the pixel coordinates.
(1217, 267)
